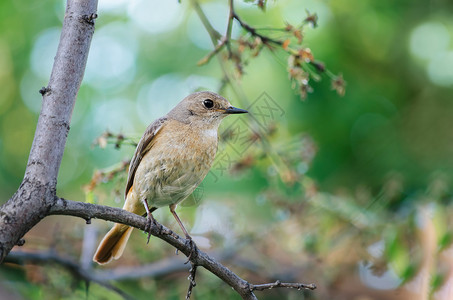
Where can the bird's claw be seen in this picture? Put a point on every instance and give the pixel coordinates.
(193, 247)
(149, 224)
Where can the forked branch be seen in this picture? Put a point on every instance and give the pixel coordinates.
(89, 211)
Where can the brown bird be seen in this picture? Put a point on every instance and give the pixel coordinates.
(172, 158)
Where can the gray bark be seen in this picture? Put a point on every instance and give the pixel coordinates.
(37, 193)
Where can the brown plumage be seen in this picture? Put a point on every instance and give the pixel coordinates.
(170, 161)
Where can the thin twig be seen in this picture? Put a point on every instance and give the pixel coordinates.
(211, 54)
(278, 284)
(192, 283)
(229, 29)
(253, 31)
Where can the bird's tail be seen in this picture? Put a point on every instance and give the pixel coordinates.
(113, 244)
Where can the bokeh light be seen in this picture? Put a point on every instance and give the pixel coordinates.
(159, 97)
(111, 62)
(43, 53)
(430, 42)
(155, 16)
(429, 39)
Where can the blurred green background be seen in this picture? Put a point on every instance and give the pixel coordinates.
(351, 193)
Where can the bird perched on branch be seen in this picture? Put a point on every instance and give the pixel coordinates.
(172, 158)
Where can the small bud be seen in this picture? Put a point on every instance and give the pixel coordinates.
(286, 44)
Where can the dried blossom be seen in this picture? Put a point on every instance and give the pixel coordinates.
(339, 85)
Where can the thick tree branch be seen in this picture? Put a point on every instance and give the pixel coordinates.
(89, 211)
(37, 192)
(60, 95)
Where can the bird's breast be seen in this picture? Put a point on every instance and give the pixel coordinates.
(176, 164)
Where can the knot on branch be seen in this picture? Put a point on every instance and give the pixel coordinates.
(89, 18)
(44, 90)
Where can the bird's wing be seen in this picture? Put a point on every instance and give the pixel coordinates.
(142, 148)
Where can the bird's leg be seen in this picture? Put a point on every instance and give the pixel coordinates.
(151, 220)
(172, 209)
(188, 237)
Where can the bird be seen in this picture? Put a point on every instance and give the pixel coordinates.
(172, 158)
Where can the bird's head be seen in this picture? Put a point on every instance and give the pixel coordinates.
(203, 108)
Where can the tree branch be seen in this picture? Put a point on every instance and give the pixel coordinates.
(230, 27)
(216, 50)
(20, 257)
(253, 31)
(268, 286)
(89, 211)
(37, 192)
(155, 269)
(192, 283)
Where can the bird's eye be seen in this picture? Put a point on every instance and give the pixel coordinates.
(208, 103)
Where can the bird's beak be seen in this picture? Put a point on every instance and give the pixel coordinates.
(234, 110)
